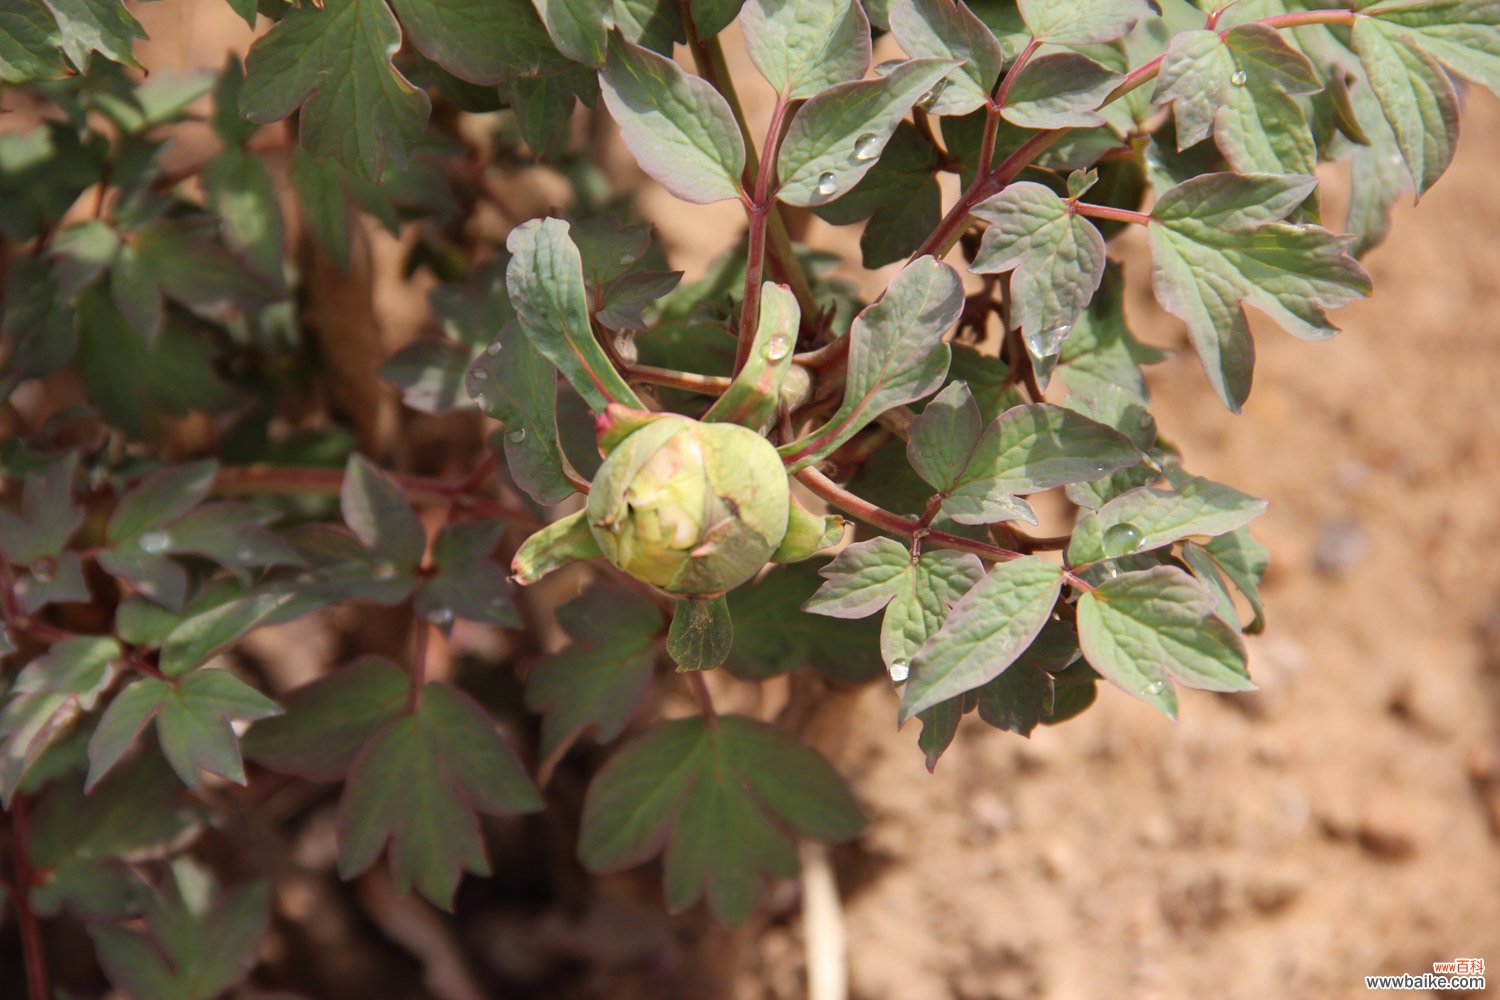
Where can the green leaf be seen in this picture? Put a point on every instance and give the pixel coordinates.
(1241, 85)
(1144, 630)
(718, 796)
(102, 26)
(1463, 35)
(941, 439)
(325, 205)
(193, 724)
(193, 947)
(579, 28)
(1101, 352)
(927, 589)
(861, 579)
(418, 785)
(334, 62)
(1025, 693)
(1416, 95)
(1244, 560)
(230, 534)
(1082, 22)
(327, 721)
(545, 278)
(481, 41)
(159, 498)
(988, 628)
(513, 383)
(467, 583)
(379, 514)
(940, 29)
(37, 337)
(240, 187)
(47, 518)
(430, 374)
(48, 694)
(803, 47)
(896, 355)
(1059, 90)
(836, 137)
(774, 636)
(676, 125)
(1159, 517)
(753, 396)
(1218, 244)
(1056, 254)
(1028, 449)
(30, 43)
(78, 839)
(201, 637)
(600, 678)
(701, 634)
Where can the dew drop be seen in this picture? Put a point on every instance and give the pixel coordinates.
(493, 349)
(480, 401)
(827, 184)
(867, 146)
(900, 670)
(441, 617)
(885, 68)
(245, 555)
(384, 571)
(1121, 540)
(154, 542)
(1239, 78)
(43, 570)
(480, 375)
(1156, 687)
(518, 435)
(930, 98)
(778, 347)
(1046, 343)
(1100, 468)
(626, 259)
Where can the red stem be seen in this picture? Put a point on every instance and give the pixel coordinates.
(705, 700)
(909, 527)
(953, 224)
(31, 932)
(758, 211)
(1003, 95)
(1111, 213)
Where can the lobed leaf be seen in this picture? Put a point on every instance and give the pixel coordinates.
(803, 47)
(1082, 22)
(1197, 506)
(948, 29)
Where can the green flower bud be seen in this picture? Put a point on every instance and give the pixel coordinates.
(692, 508)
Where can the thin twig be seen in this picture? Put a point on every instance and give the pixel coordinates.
(32, 948)
(823, 926)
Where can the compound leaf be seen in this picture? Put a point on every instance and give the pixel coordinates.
(721, 797)
(678, 127)
(48, 694)
(1082, 22)
(600, 678)
(988, 628)
(1143, 630)
(102, 26)
(803, 47)
(836, 137)
(327, 721)
(419, 783)
(333, 60)
(943, 29)
(1056, 254)
(1218, 244)
(1415, 94)
(1197, 506)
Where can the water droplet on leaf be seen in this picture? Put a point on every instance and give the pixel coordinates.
(1239, 78)
(479, 400)
(900, 670)
(930, 98)
(518, 435)
(384, 571)
(480, 375)
(1046, 343)
(43, 570)
(245, 555)
(1156, 687)
(441, 617)
(154, 542)
(778, 347)
(1121, 540)
(827, 184)
(867, 146)
(493, 349)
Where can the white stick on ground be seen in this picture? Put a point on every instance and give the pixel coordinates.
(823, 927)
